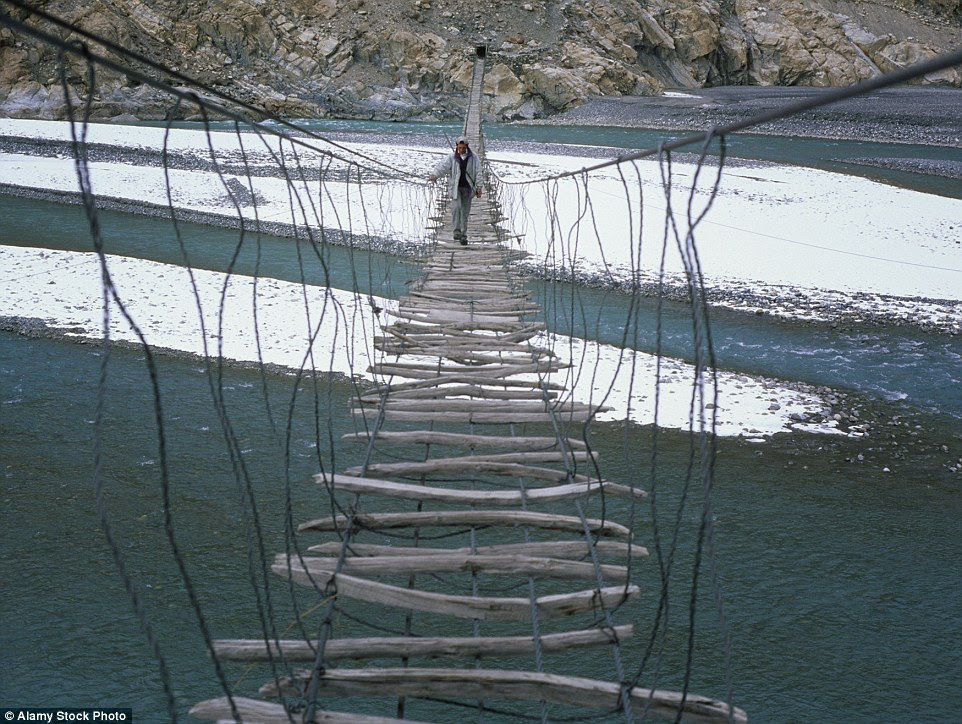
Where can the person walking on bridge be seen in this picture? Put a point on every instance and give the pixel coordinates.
(463, 170)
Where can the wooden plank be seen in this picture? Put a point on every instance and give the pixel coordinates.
(493, 371)
(538, 456)
(480, 314)
(475, 404)
(398, 331)
(491, 684)
(444, 345)
(498, 565)
(437, 392)
(456, 336)
(435, 404)
(469, 518)
(469, 354)
(407, 491)
(502, 301)
(297, 650)
(553, 548)
(480, 607)
(519, 327)
(254, 711)
(466, 378)
(415, 327)
(469, 465)
(429, 293)
(436, 437)
(489, 418)
(477, 321)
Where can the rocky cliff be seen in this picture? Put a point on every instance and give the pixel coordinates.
(400, 59)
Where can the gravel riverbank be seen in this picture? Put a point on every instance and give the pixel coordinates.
(924, 115)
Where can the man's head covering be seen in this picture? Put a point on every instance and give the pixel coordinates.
(462, 139)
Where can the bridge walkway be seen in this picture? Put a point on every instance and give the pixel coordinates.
(477, 530)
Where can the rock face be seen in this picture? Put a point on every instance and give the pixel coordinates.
(411, 59)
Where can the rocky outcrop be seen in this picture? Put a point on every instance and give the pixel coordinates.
(411, 59)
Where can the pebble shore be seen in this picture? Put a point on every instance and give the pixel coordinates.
(919, 115)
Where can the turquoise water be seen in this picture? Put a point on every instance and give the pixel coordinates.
(839, 579)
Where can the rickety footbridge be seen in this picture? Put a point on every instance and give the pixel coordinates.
(477, 528)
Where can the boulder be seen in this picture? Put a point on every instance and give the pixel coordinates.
(897, 55)
(30, 99)
(559, 88)
(506, 89)
(797, 42)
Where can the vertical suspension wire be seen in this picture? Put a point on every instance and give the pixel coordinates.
(708, 439)
(111, 296)
(82, 170)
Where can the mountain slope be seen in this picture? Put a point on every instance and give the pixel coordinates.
(411, 58)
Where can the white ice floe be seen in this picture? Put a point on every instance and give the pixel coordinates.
(296, 326)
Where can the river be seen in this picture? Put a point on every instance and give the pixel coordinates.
(838, 556)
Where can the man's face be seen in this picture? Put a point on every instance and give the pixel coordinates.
(462, 148)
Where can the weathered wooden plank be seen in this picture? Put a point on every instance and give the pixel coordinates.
(466, 378)
(254, 711)
(407, 491)
(469, 518)
(485, 276)
(492, 371)
(443, 346)
(462, 315)
(431, 292)
(490, 418)
(438, 392)
(498, 565)
(519, 327)
(470, 465)
(297, 650)
(478, 321)
(437, 437)
(530, 329)
(470, 307)
(490, 684)
(553, 548)
(465, 338)
(502, 301)
(519, 457)
(401, 331)
(474, 354)
(479, 607)
(443, 404)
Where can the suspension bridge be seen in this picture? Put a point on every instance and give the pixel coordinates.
(497, 499)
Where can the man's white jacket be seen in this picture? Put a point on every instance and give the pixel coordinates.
(452, 168)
